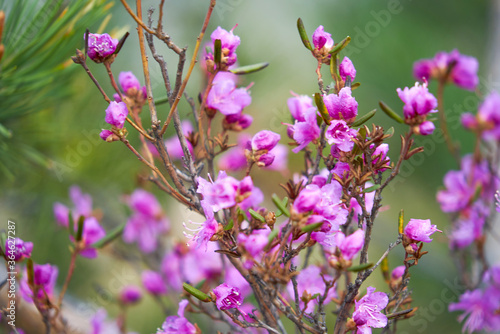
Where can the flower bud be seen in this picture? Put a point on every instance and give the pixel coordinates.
(426, 128)
(101, 47)
(346, 68)
(265, 140)
(116, 113)
(130, 294)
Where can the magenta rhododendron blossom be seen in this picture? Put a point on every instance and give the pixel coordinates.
(229, 43)
(228, 297)
(44, 278)
(463, 73)
(367, 313)
(426, 128)
(322, 39)
(305, 131)
(101, 46)
(307, 199)
(418, 101)
(420, 230)
(489, 116)
(480, 308)
(130, 294)
(469, 226)
(346, 68)
(265, 140)
(298, 106)
(255, 242)
(398, 272)
(82, 206)
(225, 97)
(105, 134)
(351, 245)
(234, 278)
(153, 282)
(17, 250)
(339, 134)
(206, 230)
(220, 194)
(342, 106)
(92, 232)
(116, 113)
(147, 222)
(131, 85)
(310, 280)
(178, 324)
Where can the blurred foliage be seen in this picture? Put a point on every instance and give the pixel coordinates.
(34, 70)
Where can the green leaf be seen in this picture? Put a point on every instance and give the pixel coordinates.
(229, 225)
(311, 227)
(79, 232)
(30, 272)
(217, 52)
(282, 205)
(322, 108)
(401, 221)
(303, 34)
(249, 68)
(361, 120)
(360, 267)
(389, 112)
(342, 44)
(196, 293)
(390, 131)
(372, 188)
(256, 215)
(111, 236)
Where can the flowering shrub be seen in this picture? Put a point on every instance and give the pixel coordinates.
(247, 263)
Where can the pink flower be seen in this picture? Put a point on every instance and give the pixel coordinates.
(44, 278)
(17, 249)
(305, 131)
(116, 113)
(480, 309)
(235, 159)
(339, 134)
(131, 85)
(463, 73)
(173, 144)
(307, 199)
(418, 101)
(101, 47)
(298, 106)
(426, 128)
(489, 115)
(147, 222)
(228, 297)
(92, 232)
(234, 278)
(238, 122)
(265, 140)
(342, 106)
(255, 242)
(82, 206)
(178, 324)
(346, 68)
(368, 309)
(229, 43)
(310, 280)
(225, 97)
(206, 230)
(220, 194)
(398, 272)
(130, 294)
(322, 39)
(420, 230)
(153, 282)
(106, 135)
(351, 245)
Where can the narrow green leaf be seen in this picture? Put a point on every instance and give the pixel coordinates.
(303, 34)
(342, 44)
(229, 225)
(116, 233)
(360, 267)
(161, 100)
(372, 188)
(71, 224)
(389, 112)
(311, 227)
(5, 132)
(217, 52)
(196, 293)
(256, 215)
(79, 232)
(30, 272)
(355, 85)
(390, 131)
(322, 108)
(249, 68)
(282, 205)
(271, 236)
(361, 120)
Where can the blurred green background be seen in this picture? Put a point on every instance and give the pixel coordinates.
(387, 37)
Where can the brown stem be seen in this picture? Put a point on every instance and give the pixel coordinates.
(84, 65)
(191, 65)
(71, 269)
